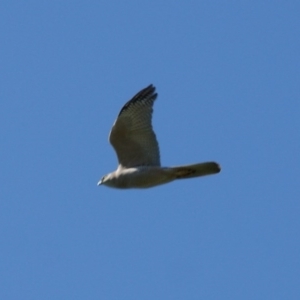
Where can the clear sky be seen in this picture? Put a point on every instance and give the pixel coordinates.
(228, 76)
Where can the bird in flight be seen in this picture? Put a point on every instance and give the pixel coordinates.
(136, 146)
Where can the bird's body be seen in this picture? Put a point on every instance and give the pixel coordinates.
(137, 149)
(139, 177)
(150, 176)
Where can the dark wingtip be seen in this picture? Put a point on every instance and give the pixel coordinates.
(147, 92)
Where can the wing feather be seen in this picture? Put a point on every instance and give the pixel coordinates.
(132, 135)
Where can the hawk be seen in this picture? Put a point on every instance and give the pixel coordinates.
(137, 149)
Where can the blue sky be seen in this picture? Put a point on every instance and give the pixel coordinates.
(227, 74)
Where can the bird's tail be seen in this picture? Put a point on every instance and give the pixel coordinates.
(196, 170)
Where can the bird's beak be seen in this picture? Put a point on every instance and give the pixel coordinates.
(99, 182)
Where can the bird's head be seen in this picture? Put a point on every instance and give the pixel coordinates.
(106, 180)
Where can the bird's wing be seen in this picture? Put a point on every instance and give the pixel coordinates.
(132, 135)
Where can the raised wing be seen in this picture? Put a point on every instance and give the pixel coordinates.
(132, 135)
